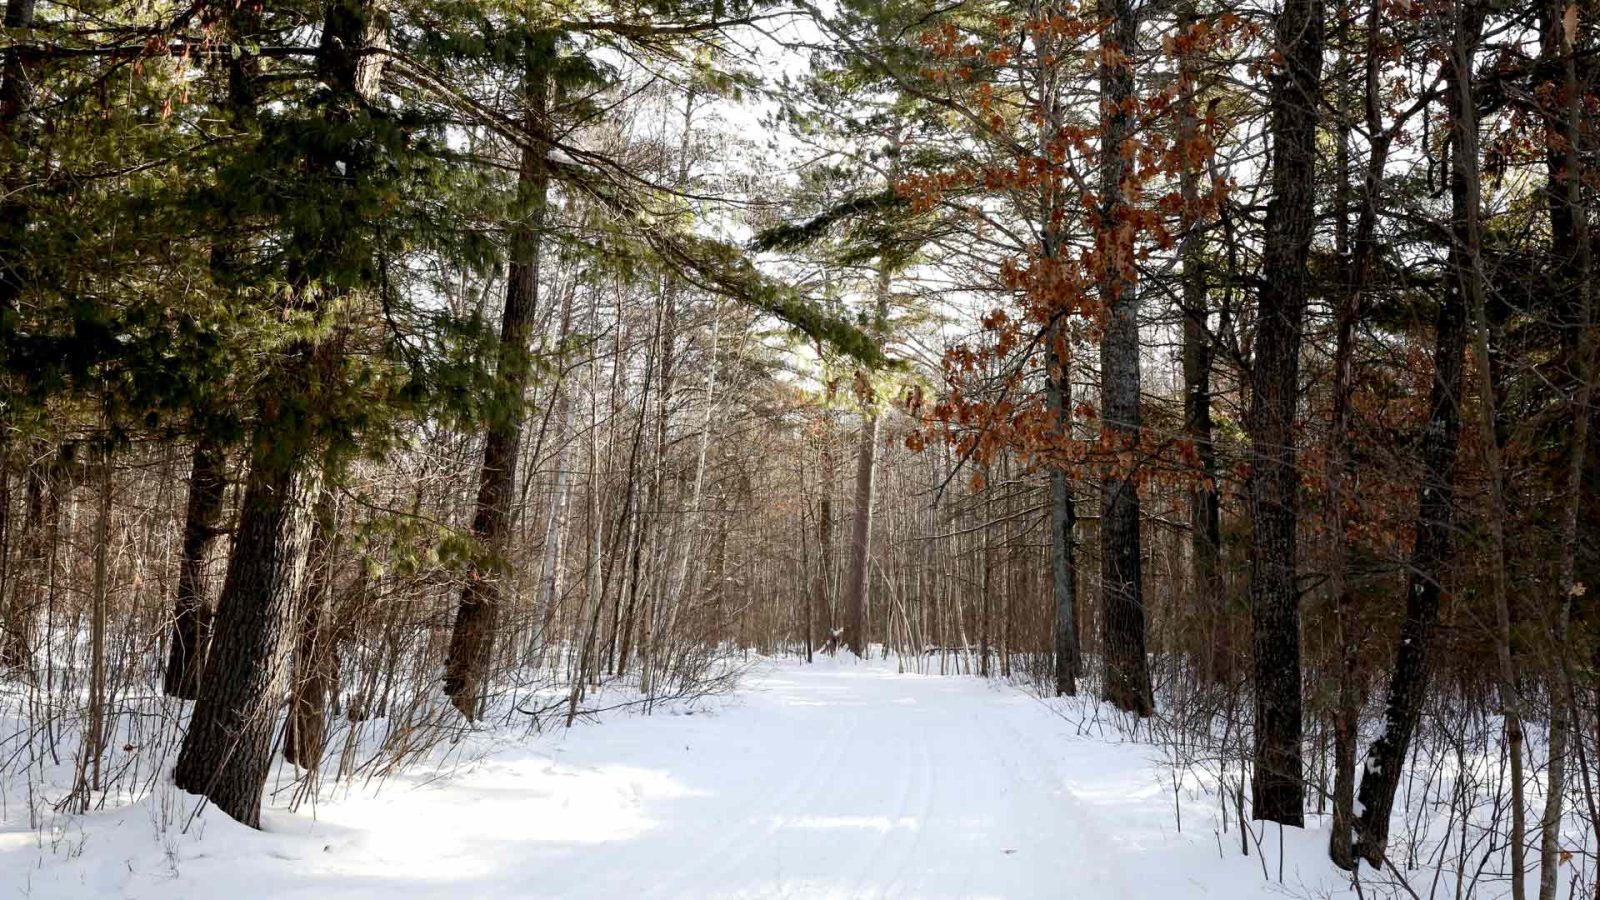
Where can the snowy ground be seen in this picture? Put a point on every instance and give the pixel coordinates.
(842, 779)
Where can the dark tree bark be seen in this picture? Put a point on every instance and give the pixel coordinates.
(858, 580)
(1063, 524)
(1279, 786)
(1068, 657)
(855, 603)
(472, 640)
(191, 616)
(1347, 315)
(226, 753)
(1127, 674)
(826, 477)
(1435, 521)
(227, 750)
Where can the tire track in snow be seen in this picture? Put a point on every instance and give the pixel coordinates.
(923, 819)
(893, 817)
(736, 844)
(1098, 855)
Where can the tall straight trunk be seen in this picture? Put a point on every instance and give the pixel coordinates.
(226, 752)
(1063, 524)
(1363, 250)
(1122, 616)
(191, 616)
(1205, 507)
(1067, 655)
(1573, 255)
(472, 640)
(826, 476)
(856, 588)
(1279, 787)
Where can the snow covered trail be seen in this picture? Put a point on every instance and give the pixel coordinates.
(842, 779)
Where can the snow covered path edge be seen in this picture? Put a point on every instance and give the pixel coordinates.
(841, 779)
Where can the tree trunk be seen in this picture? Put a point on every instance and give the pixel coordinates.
(1127, 674)
(1347, 712)
(226, 753)
(825, 480)
(472, 640)
(855, 604)
(1278, 786)
(1063, 523)
(856, 589)
(1430, 552)
(1067, 654)
(227, 750)
(191, 616)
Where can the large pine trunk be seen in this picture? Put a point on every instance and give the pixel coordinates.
(1127, 673)
(191, 617)
(860, 576)
(471, 650)
(1279, 786)
(827, 474)
(227, 750)
(855, 604)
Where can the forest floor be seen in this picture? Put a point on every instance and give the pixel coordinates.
(841, 779)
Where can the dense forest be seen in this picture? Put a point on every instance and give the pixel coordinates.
(374, 371)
